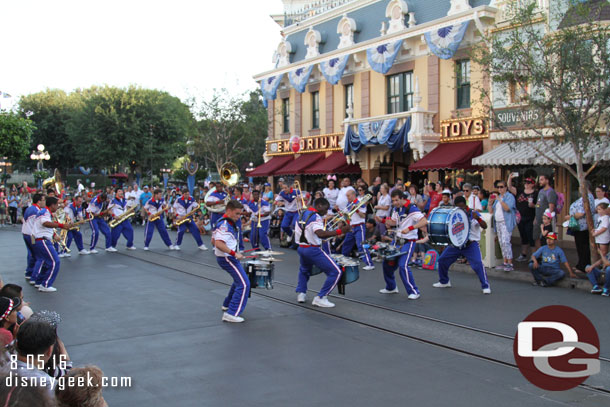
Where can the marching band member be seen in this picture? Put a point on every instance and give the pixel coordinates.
(408, 219)
(214, 199)
(98, 209)
(238, 196)
(45, 250)
(472, 251)
(119, 206)
(224, 240)
(155, 205)
(184, 205)
(259, 236)
(74, 213)
(29, 217)
(357, 236)
(310, 252)
(288, 199)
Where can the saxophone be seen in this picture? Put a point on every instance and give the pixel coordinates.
(120, 219)
(186, 217)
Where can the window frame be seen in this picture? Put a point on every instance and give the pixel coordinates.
(462, 100)
(348, 91)
(285, 115)
(402, 100)
(315, 110)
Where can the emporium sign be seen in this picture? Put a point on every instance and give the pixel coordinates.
(517, 118)
(308, 144)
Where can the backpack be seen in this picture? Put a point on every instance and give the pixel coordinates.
(430, 260)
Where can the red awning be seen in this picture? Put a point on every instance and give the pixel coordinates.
(333, 164)
(450, 156)
(300, 164)
(119, 175)
(270, 166)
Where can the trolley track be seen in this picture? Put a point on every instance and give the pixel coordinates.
(390, 331)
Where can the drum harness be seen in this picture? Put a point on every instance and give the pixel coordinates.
(302, 224)
(399, 241)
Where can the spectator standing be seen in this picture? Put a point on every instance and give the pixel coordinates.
(13, 204)
(330, 192)
(376, 187)
(383, 207)
(503, 209)
(547, 199)
(526, 207)
(80, 188)
(435, 197)
(145, 196)
(268, 194)
(484, 198)
(342, 200)
(602, 229)
(25, 200)
(600, 195)
(581, 236)
(472, 200)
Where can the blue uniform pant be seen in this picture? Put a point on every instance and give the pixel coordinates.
(31, 259)
(150, 228)
(326, 247)
(288, 222)
(472, 252)
(78, 239)
(311, 256)
(260, 236)
(214, 218)
(595, 274)
(357, 237)
(50, 263)
(99, 225)
(192, 227)
(550, 275)
(124, 228)
(238, 294)
(402, 263)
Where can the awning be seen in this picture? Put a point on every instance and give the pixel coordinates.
(333, 164)
(524, 153)
(300, 164)
(118, 175)
(270, 166)
(449, 156)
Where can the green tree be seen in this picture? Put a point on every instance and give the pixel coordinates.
(15, 135)
(560, 67)
(51, 111)
(231, 128)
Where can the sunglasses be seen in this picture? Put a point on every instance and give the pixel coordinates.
(466, 190)
(502, 186)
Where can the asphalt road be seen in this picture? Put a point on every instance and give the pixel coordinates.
(155, 317)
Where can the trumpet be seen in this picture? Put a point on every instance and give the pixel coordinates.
(345, 216)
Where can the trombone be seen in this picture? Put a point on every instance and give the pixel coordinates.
(343, 216)
(297, 186)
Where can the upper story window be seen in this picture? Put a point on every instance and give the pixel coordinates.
(286, 115)
(517, 92)
(400, 92)
(349, 97)
(315, 110)
(463, 83)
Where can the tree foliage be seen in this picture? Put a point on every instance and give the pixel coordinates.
(15, 136)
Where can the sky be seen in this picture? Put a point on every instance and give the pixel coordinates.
(185, 47)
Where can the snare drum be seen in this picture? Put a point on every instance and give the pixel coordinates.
(260, 274)
(350, 274)
(448, 226)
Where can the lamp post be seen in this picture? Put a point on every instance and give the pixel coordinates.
(165, 172)
(249, 169)
(40, 155)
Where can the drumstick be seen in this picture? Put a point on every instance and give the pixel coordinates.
(249, 250)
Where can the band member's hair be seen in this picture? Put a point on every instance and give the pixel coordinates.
(322, 202)
(118, 189)
(103, 195)
(234, 204)
(76, 197)
(37, 198)
(51, 200)
(185, 190)
(240, 190)
(50, 191)
(256, 191)
(459, 199)
(397, 192)
(157, 191)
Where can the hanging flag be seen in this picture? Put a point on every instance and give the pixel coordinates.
(298, 79)
(445, 41)
(269, 87)
(382, 57)
(333, 69)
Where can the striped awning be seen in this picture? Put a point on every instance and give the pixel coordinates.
(524, 153)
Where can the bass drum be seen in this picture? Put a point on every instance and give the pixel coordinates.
(448, 226)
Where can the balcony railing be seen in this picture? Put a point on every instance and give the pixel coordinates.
(312, 10)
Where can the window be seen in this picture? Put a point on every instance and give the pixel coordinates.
(286, 115)
(400, 92)
(349, 98)
(463, 83)
(315, 110)
(517, 92)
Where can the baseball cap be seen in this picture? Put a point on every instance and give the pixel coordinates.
(446, 191)
(530, 181)
(267, 184)
(551, 235)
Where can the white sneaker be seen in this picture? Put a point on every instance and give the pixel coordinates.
(131, 248)
(67, 255)
(413, 296)
(384, 291)
(84, 252)
(368, 268)
(441, 285)
(289, 238)
(176, 247)
(111, 249)
(231, 318)
(93, 251)
(146, 248)
(301, 297)
(47, 289)
(486, 290)
(60, 255)
(203, 247)
(32, 282)
(322, 302)
(224, 308)
(171, 247)
(36, 285)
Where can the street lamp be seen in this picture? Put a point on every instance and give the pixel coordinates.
(40, 155)
(249, 169)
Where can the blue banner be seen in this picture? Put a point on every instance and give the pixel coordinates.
(190, 182)
(333, 69)
(269, 87)
(378, 133)
(445, 41)
(382, 57)
(298, 78)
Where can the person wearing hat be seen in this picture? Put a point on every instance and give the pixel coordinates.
(184, 205)
(446, 198)
(268, 193)
(548, 270)
(8, 319)
(472, 200)
(144, 196)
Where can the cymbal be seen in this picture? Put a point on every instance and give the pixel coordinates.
(270, 259)
(267, 253)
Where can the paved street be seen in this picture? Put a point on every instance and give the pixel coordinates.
(155, 316)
